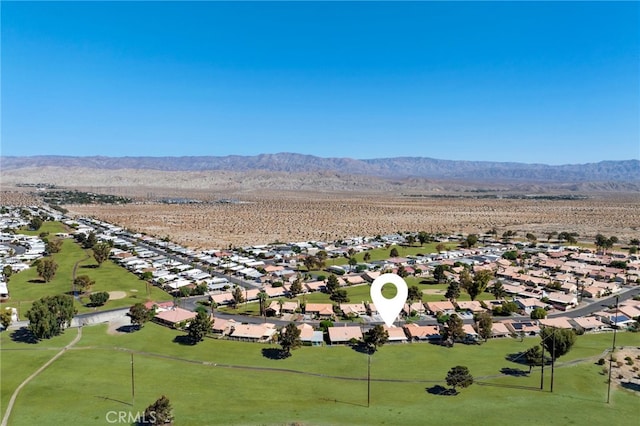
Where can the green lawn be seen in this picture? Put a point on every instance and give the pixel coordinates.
(384, 253)
(95, 378)
(26, 286)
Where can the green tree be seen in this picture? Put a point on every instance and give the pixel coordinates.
(7, 272)
(557, 341)
(101, 252)
(533, 357)
(332, 284)
(290, 339)
(139, 314)
(199, 327)
(50, 315)
(402, 271)
(485, 325)
(35, 223)
(375, 337)
(439, 273)
(471, 240)
(296, 287)
(83, 282)
(340, 296)
(90, 240)
(367, 257)
(394, 252)
(160, 412)
(410, 239)
(309, 262)
(5, 318)
(423, 237)
(510, 255)
(238, 296)
(99, 298)
(146, 276)
(479, 283)
(453, 330)
(414, 294)
(47, 268)
(531, 237)
(459, 376)
(538, 313)
(453, 291)
(54, 245)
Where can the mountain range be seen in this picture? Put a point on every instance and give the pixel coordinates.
(398, 167)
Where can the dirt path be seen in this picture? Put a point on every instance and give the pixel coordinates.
(12, 401)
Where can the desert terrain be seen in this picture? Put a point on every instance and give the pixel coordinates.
(278, 206)
(265, 218)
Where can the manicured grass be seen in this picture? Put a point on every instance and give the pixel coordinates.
(19, 360)
(50, 227)
(384, 253)
(26, 286)
(95, 378)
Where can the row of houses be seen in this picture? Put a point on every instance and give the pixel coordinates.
(266, 332)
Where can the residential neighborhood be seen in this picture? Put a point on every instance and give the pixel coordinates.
(566, 283)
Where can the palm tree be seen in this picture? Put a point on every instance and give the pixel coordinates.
(498, 290)
(262, 297)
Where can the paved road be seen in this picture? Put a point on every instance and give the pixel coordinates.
(599, 304)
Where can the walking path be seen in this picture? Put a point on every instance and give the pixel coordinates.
(5, 419)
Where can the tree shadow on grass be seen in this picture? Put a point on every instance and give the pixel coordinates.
(37, 281)
(631, 386)
(515, 372)
(274, 353)
(184, 340)
(24, 335)
(362, 348)
(128, 328)
(89, 266)
(441, 391)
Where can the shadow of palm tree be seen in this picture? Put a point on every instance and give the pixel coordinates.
(24, 335)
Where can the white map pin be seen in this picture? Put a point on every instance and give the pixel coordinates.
(389, 308)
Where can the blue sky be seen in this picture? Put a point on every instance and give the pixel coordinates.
(539, 82)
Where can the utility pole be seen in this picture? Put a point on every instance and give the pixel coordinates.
(542, 367)
(613, 348)
(553, 356)
(133, 384)
(369, 380)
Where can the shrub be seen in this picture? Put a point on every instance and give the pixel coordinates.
(99, 298)
(601, 361)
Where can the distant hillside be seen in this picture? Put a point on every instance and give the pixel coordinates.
(400, 167)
